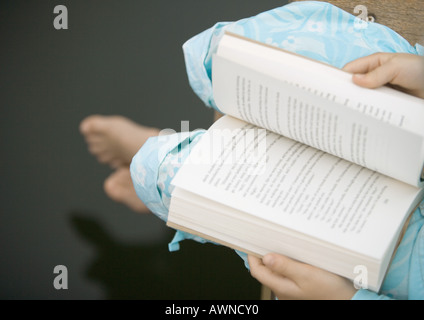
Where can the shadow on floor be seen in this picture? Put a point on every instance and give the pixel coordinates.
(140, 271)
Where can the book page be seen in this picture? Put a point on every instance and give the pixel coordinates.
(385, 104)
(318, 120)
(294, 185)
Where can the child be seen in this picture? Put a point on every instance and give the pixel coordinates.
(314, 29)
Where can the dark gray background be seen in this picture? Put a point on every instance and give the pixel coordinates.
(117, 57)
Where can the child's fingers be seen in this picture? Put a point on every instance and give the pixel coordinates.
(279, 284)
(377, 77)
(366, 64)
(373, 71)
(284, 266)
(260, 272)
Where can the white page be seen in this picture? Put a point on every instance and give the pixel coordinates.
(384, 103)
(297, 186)
(318, 121)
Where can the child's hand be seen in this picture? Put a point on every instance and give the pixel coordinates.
(290, 280)
(400, 69)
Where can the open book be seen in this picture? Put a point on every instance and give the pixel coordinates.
(305, 163)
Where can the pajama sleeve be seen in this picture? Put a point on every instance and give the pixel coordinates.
(317, 30)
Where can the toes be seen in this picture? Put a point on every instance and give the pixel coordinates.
(118, 186)
(94, 128)
(113, 139)
(92, 124)
(112, 188)
(118, 182)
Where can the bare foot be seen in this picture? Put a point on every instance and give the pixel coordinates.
(119, 187)
(114, 140)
